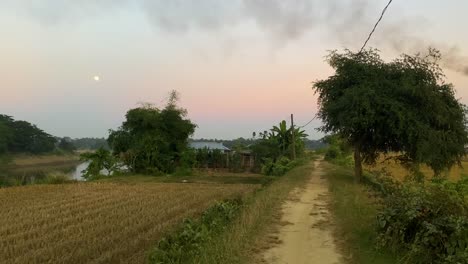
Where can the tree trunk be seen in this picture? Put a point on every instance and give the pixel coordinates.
(357, 164)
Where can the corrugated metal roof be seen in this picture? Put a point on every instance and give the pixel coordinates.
(208, 145)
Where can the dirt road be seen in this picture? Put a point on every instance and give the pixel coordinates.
(305, 234)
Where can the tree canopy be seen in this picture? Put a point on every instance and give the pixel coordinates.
(278, 142)
(23, 137)
(402, 106)
(152, 140)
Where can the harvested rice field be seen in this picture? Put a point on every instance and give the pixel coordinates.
(98, 222)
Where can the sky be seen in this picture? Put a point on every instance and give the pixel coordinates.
(239, 66)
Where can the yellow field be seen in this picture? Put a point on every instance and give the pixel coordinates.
(97, 222)
(399, 172)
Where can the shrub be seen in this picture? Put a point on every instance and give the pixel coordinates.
(429, 222)
(187, 242)
(280, 167)
(338, 152)
(183, 171)
(332, 153)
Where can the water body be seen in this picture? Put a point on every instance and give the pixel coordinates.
(77, 173)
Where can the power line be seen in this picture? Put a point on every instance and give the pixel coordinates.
(363, 46)
(375, 26)
(307, 123)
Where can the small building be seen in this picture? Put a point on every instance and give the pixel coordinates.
(209, 146)
(247, 159)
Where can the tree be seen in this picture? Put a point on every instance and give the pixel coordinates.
(100, 160)
(152, 140)
(278, 142)
(404, 106)
(282, 134)
(6, 133)
(66, 145)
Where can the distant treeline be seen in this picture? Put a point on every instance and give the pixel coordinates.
(18, 136)
(23, 137)
(240, 143)
(90, 143)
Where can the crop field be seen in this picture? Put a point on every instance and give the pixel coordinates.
(399, 172)
(98, 222)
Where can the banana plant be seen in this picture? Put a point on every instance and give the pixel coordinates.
(282, 134)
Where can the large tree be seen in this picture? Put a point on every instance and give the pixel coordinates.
(403, 106)
(152, 140)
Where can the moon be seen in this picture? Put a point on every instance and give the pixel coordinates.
(96, 78)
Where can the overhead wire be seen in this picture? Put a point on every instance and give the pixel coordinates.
(375, 26)
(364, 45)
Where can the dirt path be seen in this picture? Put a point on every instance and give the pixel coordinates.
(305, 234)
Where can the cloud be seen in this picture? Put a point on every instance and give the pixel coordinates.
(346, 21)
(284, 20)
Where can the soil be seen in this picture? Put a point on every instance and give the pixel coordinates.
(305, 232)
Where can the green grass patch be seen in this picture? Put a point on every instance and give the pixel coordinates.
(355, 210)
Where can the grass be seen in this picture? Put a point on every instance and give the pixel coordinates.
(240, 242)
(26, 169)
(23, 161)
(98, 222)
(355, 211)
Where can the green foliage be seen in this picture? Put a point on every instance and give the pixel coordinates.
(235, 163)
(90, 143)
(315, 145)
(100, 160)
(275, 145)
(66, 145)
(6, 134)
(185, 244)
(338, 151)
(207, 158)
(188, 158)
(281, 166)
(427, 222)
(152, 140)
(23, 137)
(402, 106)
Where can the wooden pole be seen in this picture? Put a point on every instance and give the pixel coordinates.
(293, 138)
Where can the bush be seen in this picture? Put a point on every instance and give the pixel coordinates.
(183, 171)
(338, 152)
(280, 167)
(332, 153)
(187, 242)
(427, 221)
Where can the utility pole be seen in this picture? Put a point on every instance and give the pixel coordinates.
(293, 138)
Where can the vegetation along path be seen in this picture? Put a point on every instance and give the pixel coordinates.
(305, 232)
